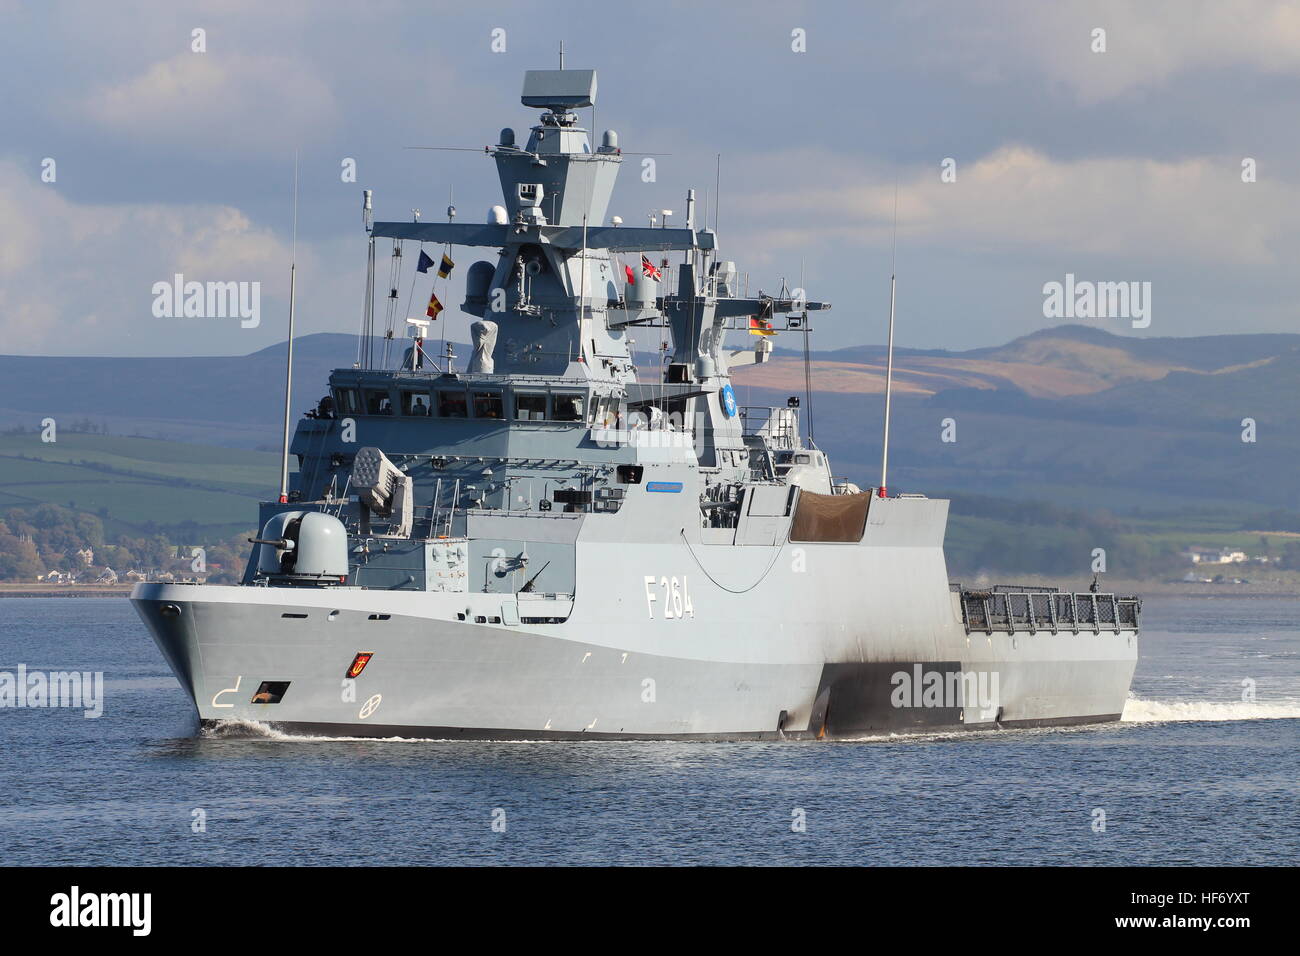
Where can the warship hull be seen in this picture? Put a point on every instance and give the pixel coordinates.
(714, 680)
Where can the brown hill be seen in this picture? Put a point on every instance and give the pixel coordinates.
(1062, 362)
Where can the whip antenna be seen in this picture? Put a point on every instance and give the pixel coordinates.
(889, 357)
(288, 367)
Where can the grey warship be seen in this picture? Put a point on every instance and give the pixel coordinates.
(550, 544)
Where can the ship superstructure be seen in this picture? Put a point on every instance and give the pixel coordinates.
(551, 542)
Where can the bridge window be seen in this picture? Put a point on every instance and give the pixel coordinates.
(567, 406)
(488, 405)
(346, 401)
(452, 405)
(530, 406)
(415, 403)
(378, 403)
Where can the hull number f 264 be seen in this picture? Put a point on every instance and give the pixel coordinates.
(671, 595)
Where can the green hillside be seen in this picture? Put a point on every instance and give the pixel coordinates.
(138, 485)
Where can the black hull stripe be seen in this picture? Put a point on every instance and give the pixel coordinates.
(482, 733)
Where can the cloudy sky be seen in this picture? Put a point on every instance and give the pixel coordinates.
(1123, 165)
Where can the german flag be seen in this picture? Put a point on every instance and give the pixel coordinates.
(759, 326)
(434, 307)
(444, 269)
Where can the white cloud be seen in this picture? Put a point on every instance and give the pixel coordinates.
(1196, 209)
(82, 273)
(218, 101)
(1148, 43)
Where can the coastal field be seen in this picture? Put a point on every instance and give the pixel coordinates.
(137, 485)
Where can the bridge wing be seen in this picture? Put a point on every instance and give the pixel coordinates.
(456, 233)
(627, 239)
(728, 307)
(566, 237)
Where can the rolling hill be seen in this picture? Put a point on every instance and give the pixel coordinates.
(1062, 362)
(138, 485)
(1071, 414)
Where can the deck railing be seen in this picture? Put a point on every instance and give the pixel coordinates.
(1042, 610)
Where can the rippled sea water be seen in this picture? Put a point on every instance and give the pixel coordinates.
(1193, 775)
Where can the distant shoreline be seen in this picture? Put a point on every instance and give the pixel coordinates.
(17, 589)
(1281, 589)
(1287, 587)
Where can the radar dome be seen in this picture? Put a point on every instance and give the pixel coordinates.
(478, 281)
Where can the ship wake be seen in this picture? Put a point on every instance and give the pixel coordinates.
(1141, 711)
(239, 729)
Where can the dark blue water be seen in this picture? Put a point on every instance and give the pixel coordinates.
(1194, 776)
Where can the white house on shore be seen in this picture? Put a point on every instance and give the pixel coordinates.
(1215, 556)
